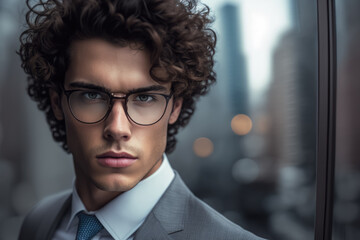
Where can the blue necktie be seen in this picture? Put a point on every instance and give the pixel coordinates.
(88, 226)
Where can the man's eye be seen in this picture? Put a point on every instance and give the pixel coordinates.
(145, 98)
(92, 95)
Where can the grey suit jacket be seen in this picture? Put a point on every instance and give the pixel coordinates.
(177, 215)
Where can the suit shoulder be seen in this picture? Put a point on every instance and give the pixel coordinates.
(205, 219)
(45, 210)
(48, 204)
(183, 216)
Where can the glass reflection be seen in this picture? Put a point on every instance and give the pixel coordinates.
(347, 172)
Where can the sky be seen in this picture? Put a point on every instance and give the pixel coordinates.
(262, 23)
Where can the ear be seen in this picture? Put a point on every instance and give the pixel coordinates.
(176, 110)
(56, 104)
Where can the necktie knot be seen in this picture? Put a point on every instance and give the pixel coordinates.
(88, 227)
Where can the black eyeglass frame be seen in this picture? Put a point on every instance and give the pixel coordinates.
(112, 97)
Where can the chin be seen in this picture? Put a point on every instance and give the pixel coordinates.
(115, 184)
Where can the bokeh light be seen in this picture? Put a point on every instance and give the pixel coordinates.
(203, 147)
(245, 170)
(241, 124)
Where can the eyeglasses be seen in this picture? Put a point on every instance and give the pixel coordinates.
(92, 106)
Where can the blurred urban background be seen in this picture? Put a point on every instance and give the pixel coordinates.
(250, 149)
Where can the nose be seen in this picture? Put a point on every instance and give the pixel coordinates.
(117, 125)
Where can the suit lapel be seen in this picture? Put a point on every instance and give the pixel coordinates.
(168, 215)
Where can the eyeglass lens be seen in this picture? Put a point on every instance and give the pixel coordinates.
(93, 106)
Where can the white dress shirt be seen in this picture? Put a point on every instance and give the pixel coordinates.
(124, 214)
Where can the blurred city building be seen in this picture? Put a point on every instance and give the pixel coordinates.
(292, 109)
(347, 170)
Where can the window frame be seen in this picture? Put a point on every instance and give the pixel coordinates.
(326, 121)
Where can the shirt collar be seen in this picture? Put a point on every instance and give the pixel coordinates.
(124, 214)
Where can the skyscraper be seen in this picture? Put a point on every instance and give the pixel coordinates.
(234, 62)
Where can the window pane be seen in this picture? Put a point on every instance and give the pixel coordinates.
(250, 149)
(347, 171)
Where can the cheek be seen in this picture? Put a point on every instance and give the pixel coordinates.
(162, 136)
(155, 139)
(74, 136)
(79, 136)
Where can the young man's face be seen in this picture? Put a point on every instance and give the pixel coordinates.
(116, 153)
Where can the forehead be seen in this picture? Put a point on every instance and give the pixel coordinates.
(115, 67)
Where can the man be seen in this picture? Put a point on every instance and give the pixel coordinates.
(116, 79)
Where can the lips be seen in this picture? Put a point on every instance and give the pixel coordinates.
(116, 160)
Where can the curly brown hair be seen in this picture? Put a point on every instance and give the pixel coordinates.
(176, 32)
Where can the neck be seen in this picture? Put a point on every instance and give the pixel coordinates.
(92, 197)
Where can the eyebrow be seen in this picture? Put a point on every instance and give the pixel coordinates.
(88, 86)
(148, 89)
(103, 89)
